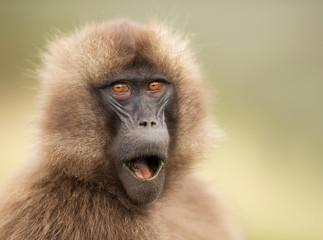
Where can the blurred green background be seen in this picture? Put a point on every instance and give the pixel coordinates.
(264, 62)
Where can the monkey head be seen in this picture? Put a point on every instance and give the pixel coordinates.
(118, 108)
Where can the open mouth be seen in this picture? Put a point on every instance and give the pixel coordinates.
(144, 167)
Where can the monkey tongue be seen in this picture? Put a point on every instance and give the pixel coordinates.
(142, 170)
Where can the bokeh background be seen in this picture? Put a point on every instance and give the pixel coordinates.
(263, 61)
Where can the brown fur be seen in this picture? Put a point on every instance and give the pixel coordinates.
(73, 192)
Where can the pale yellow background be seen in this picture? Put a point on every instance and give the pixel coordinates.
(263, 62)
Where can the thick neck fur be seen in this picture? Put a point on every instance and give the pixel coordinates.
(61, 207)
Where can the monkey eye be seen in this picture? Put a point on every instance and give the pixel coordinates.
(155, 86)
(120, 88)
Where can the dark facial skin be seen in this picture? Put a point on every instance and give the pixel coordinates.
(142, 109)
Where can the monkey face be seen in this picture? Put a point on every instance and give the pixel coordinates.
(140, 107)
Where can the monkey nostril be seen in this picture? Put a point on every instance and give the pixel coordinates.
(144, 124)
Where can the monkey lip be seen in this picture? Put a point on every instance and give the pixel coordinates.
(144, 167)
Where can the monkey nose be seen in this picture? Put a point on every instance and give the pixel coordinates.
(147, 123)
